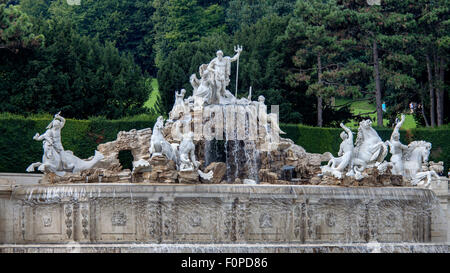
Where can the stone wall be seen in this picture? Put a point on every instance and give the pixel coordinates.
(124, 213)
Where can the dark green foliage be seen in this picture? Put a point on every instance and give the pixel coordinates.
(18, 149)
(74, 74)
(16, 29)
(321, 140)
(127, 24)
(183, 21)
(242, 13)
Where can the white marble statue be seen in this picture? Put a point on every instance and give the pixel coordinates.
(221, 67)
(187, 159)
(268, 121)
(56, 159)
(370, 150)
(337, 165)
(187, 153)
(211, 88)
(159, 145)
(397, 149)
(203, 87)
(416, 155)
(179, 107)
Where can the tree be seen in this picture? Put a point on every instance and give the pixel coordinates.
(127, 23)
(16, 29)
(182, 21)
(74, 74)
(241, 13)
(314, 30)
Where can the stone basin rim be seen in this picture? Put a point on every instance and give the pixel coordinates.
(20, 190)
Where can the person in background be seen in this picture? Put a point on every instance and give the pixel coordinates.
(411, 107)
(383, 106)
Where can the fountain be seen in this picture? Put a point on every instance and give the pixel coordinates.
(217, 177)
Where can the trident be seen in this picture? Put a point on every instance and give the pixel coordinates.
(237, 50)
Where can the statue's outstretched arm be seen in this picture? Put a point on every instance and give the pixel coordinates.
(235, 57)
(38, 137)
(349, 132)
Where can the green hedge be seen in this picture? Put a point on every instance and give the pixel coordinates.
(18, 149)
(320, 140)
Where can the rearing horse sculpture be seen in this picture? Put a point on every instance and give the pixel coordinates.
(370, 150)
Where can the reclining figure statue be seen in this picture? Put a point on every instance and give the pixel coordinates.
(56, 159)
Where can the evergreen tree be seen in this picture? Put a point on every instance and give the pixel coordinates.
(74, 74)
(313, 29)
(16, 29)
(182, 21)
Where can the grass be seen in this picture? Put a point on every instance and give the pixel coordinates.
(154, 95)
(359, 107)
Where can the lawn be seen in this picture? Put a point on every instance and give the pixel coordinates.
(359, 107)
(153, 95)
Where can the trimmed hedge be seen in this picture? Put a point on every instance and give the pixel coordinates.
(320, 140)
(18, 149)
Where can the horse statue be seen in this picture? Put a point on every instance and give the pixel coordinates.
(413, 159)
(160, 146)
(370, 150)
(56, 159)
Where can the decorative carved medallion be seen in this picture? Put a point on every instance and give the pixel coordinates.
(119, 219)
(195, 220)
(390, 220)
(330, 219)
(46, 220)
(265, 220)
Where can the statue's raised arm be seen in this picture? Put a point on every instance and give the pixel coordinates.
(399, 124)
(349, 132)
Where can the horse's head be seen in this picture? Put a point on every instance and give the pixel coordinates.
(159, 123)
(365, 124)
(418, 151)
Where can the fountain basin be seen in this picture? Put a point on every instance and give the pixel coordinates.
(215, 214)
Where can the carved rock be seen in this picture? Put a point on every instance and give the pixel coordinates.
(219, 170)
(188, 177)
(163, 170)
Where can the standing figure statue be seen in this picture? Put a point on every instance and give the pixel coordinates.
(397, 149)
(337, 165)
(221, 67)
(56, 159)
(179, 106)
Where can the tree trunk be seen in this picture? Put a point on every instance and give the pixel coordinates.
(440, 94)
(423, 113)
(319, 98)
(376, 74)
(431, 90)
